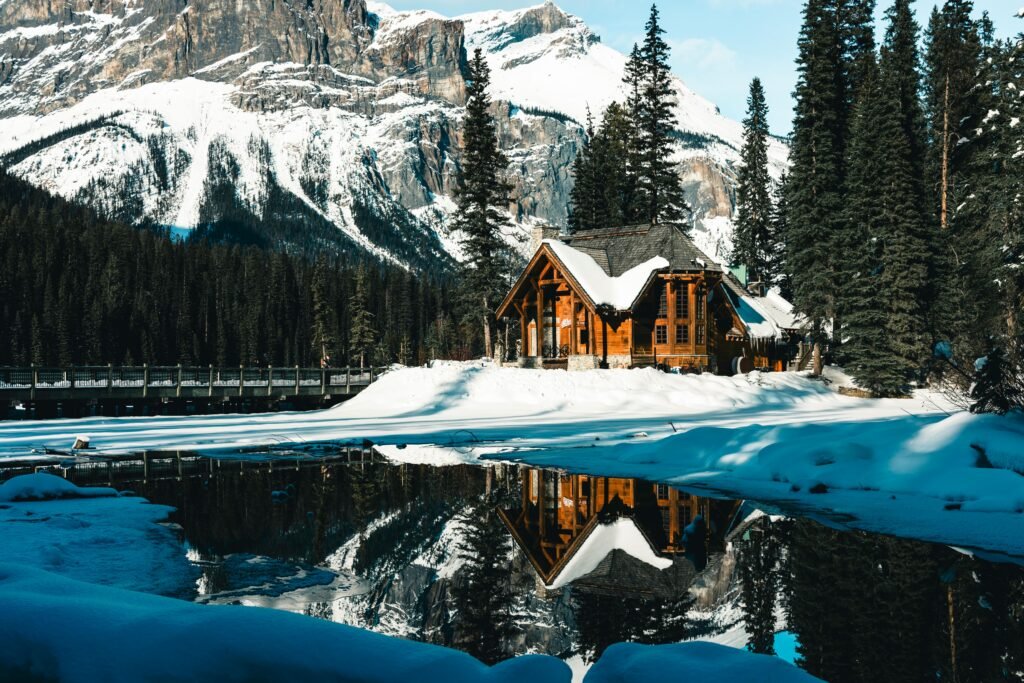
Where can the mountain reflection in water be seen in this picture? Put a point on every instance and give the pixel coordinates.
(440, 553)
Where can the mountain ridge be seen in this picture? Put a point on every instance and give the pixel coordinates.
(348, 111)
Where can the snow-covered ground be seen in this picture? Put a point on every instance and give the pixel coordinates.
(62, 625)
(909, 467)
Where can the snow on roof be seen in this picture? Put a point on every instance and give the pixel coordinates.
(768, 316)
(617, 292)
(622, 534)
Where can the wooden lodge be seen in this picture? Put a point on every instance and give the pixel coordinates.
(639, 296)
(560, 513)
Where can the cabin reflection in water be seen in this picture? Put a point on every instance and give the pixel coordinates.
(577, 528)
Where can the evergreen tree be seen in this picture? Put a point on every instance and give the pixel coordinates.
(362, 336)
(483, 602)
(754, 237)
(883, 302)
(952, 61)
(778, 264)
(600, 197)
(481, 200)
(998, 385)
(323, 313)
(758, 564)
(659, 185)
(814, 228)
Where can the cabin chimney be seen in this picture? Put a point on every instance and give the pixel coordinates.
(540, 233)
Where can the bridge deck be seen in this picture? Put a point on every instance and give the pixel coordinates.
(143, 382)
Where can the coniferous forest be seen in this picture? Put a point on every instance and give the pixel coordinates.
(79, 289)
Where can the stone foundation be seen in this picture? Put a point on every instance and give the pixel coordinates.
(622, 361)
(532, 362)
(577, 363)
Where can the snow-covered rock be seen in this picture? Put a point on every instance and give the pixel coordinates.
(42, 486)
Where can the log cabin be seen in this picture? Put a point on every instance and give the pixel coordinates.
(561, 521)
(643, 295)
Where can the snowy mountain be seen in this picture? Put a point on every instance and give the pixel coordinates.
(329, 121)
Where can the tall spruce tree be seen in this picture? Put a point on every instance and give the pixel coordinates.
(883, 300)
(482, 200)
(323, 313)
(754, 239)
(814, 230)
(484, 601)
(600, 196)
(660, 185)
(362, 336)
(758, 562)
(952, 61)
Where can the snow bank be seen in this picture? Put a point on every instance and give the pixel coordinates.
(957, 480)
(617, 292)
(43, 486)
(102, 539)
(697, 661)
(59, 629)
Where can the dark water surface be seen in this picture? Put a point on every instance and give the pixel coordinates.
(505, 560)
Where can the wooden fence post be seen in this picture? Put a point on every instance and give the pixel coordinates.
(297, 375)
(241, 379)
(110, 378)
(35, 380)
(210, 389)
(323, 381)
(270, 380)
(348, 379)
(70, 375)
(178, 390)
(145, 380)
(371, 376)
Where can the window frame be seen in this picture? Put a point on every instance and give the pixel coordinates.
(661, 334)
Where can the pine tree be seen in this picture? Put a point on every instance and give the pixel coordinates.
(362, 335)
(778, 265)
(998, 385)
(323, 314)
(481, 200)
(483, 603)
(755, 235)
(952, 61)
(758, 564)
(814, 230)
(582, 199)
(888, 275)
(660, 187)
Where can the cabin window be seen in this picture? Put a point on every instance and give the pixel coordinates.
(662, 492)
(700, 334)
(663, 303)
(682, 301)
(682, 334)
(661, 334)
(700, 306)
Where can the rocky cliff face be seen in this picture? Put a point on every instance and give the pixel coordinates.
(351, 112)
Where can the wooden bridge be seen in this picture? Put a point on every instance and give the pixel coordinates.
(186, 382)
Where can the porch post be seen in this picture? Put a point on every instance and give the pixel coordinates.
(539, 351)
(574, 345)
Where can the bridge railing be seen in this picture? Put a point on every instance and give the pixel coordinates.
(86, 378)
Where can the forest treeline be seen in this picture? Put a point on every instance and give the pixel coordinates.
(76, 288)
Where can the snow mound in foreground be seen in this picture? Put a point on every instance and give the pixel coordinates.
(42, 486)
(96, 633)
(696, 661)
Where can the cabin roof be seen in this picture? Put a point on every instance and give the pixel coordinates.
(765, 317)
(618, 250)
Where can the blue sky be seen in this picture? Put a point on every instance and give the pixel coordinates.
(718, 45)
